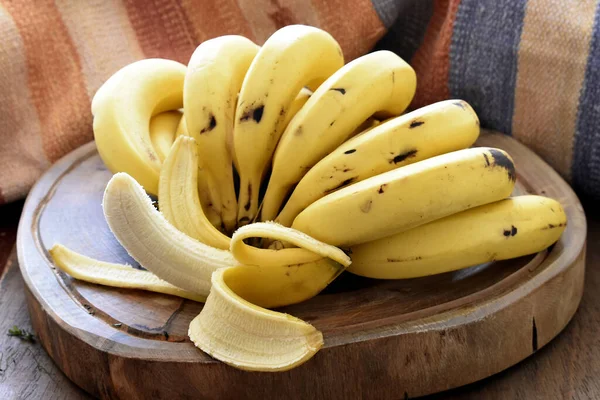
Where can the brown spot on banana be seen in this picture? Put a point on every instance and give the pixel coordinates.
(396, 260)
(350, 151)
(366, 206)
(212, 123)
(510, 232)
(341, 90)
(382, 188)
(487, 160)
(341, 185)
(403, 156)
(502, 161)
(415, 124)
(255, 113)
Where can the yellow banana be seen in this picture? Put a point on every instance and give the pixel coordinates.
(122, 113)
(209, 206)
(162, 132)
(505, 229)
(116, 275)
(282, 285)
(293, 57)
(213, 80)
(424, 133)
(178, 195)
(339, 106)
(248, 337)
(410, 196)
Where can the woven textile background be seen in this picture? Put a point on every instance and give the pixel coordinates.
(530, 68)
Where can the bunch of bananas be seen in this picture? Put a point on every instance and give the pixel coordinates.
(268, 161)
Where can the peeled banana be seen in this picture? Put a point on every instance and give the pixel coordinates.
(156, 244)
(249, 337)
(213, 80)
(122, 113)
(293, 57)
(410, 196)
(116, 275)
(338, 107)
(178, 195)
(429, 131)
(505, 229)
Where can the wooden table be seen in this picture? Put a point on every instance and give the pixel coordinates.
(567, 368)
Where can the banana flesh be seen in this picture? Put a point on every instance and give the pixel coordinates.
(115, 275)
(505, 229)
(410, 196)
(424, 133)
(249, 337)
(293, 57)
(339, 106)
(122, 110)
(162, 132)
(156, 244)
(178, 195)
(213, 80)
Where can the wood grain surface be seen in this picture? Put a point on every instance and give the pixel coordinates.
(384, 339)
(567, 368)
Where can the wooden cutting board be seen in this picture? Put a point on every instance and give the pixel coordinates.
(383, 339)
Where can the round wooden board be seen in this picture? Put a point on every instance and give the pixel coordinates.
(383, 339)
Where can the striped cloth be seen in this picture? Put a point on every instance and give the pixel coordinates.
(530, 68)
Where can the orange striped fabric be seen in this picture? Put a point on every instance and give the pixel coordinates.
(55, 54)
(546, 108)
(432, 59)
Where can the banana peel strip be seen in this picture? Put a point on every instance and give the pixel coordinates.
(310, 249)
(248, 337)
(91, 270)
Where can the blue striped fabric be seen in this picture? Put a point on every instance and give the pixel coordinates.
(483, 58)
(406, 34)
(586, 153)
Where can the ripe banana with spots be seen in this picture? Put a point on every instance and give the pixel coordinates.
(90, 270)
(293, 57)
(424, 133)
(179, 201)
(249, 337)
(410, 196)
(122, 110)
(339, 106)
(213, 80)
(162, 132)
(505, 229)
